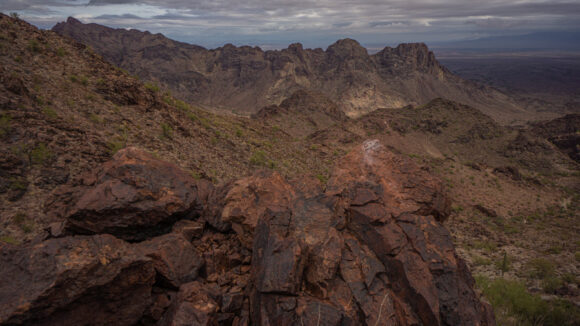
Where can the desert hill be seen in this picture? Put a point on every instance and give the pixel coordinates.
(73, 125)
(345, 73)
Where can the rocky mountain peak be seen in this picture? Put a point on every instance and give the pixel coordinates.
(72, 21)
(414, 56)
(347, 48)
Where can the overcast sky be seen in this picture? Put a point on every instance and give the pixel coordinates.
(315, 23)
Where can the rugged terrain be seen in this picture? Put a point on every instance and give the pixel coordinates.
(65, 111)
(345, 73)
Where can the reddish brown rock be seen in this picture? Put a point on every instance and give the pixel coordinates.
(133, 196)
(196, 304)
(371, 250)
(82, 280)
(174, 259)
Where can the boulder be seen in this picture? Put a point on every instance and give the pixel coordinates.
(134, 196)
(174, 258)
(81, 280)
(197, 304)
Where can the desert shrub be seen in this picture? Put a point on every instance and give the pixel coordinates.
(96, 118)
(5, 121)
(79, 79)
(513, 305)
(34, 46)
(49, 112)
(259, 158)
(115, 145)
(166, 131)
(481, 261)
(40, 154)
(18, 184)
(21, 220)
(8, 239)
(323, 178)
(486, 246)
(152, 87)
(551, 283)
(541, 268)
(60, 52)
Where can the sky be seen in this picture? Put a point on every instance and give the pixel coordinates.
(314, 23)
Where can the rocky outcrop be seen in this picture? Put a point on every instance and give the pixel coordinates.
(369, 249)
(132, 197)
(83, 280)
(253, 79)
(562, 132)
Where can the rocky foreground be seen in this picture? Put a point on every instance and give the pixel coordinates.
(143, 243)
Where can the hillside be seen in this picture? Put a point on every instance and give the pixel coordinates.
(70, 123)
(252, 78)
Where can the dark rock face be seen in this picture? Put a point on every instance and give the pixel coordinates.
(83, 280)
(132, 196)
(174, 259)
(562, 132)
(368, 250)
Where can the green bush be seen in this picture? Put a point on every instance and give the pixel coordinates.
(259, 158)
(60, 52)
(166, 131)
(49, 112)
(5, 121)
(541, 268)
(79, 79)
(8, 239)
(513, 305)
(152, 87)
(323, 178)
(34, 46)
(40, 154)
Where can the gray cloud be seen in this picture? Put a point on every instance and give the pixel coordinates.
(315, 20)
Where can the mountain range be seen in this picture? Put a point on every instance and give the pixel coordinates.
(252, 78)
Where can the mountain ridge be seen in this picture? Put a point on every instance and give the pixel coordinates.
(252, 78)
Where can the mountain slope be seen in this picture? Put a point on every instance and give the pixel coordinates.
(358, 82)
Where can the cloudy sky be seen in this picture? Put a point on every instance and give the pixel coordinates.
(315, 23)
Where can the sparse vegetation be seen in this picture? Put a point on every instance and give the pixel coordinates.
(323, 178)
(34, 46)
(83, 80)
(61, 52)
(259, 158)
(41, 154)
(5, 125)
(152, 87)
(513, 305)
(541, 268)
(49, 112)
(8, 239)
(96, 118)
(166, 131)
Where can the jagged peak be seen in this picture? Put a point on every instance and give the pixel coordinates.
(347, 47)
(72, 21)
